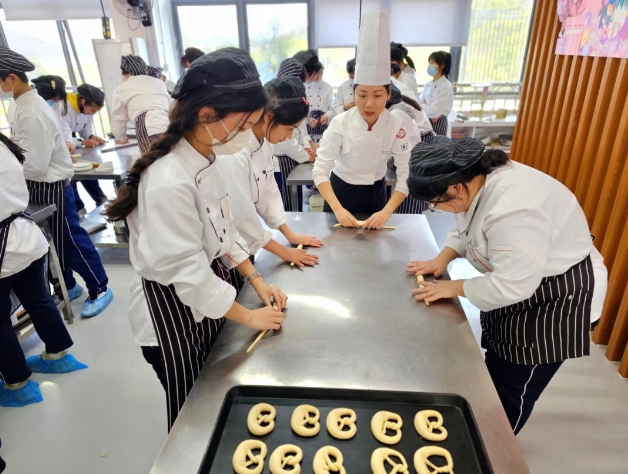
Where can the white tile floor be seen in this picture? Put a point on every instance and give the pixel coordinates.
(111, 418)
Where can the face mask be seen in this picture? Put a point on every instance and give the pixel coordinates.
(431, 70)
(51, 103)
(233, 143)
(7, 95)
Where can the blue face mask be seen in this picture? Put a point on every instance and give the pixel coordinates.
(51, 103)
(431, 70)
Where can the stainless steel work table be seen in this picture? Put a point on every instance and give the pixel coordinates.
(351, 322)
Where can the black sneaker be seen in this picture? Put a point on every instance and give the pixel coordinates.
(3, 465)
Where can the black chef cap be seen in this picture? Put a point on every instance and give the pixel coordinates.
(395, 96)
(12, 62)
(308, 58)
(442, 158)
(287, 89)
(292, 68)
(351, 66)
(226, 69)
(134, 65)
(153, 72)
(91, 94)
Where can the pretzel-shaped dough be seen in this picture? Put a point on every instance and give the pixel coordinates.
(383, 455)
(305, 415)
(288, 454)
(243, 457)
(324, 465)
(422, 463)
(383, 420)
(338, 419)
(426, 428)
(256, 418)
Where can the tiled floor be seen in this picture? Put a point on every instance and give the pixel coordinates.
(110, 418)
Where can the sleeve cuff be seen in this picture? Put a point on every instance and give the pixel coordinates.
(217, 307)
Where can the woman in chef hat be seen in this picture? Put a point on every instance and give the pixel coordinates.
(352, 160)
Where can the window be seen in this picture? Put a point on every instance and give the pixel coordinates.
(39, 41)
(208, 27)
(276, 31)
(498, 39)
(83, 32)
(335, 62)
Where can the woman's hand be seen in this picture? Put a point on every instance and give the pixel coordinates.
(300, 257)
(311, 153)
(265, 318)
(313, 122)
(345, 218)
(98, 140)
(90, 143)
(70, 146)
(325, 119)
(439, 289)
(122, 142)
(265, 292)
(305, 240)
(378, 219)
(436, 266)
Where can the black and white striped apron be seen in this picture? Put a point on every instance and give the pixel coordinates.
(427, 137)
(551, 326)
(142, 133)
(320, 128)
(411, 205)
(286, 165)
(440, 126)
(46, 194)
(184, 343)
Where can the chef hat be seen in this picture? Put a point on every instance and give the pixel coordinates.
(10, 61)
(226, 68)
(442, 158)
(91, 93)
(373, 59)
(286, 89)
(292, 68)
(153, 72)
(134, 65)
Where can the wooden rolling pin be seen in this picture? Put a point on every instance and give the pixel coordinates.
(261, 335)
(420, 280)
(300, 246)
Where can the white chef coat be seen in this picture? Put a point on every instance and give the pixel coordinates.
(320, 96)
(524, 226)
(294, 147)
(344, 95)
(253, 192)
(437, 98)
(136, 95)
(25, 242)
(181, 223)
(74, 122)
(420, 119)
(35, 128)
(408, 78)
(412, 131)
(358, 156)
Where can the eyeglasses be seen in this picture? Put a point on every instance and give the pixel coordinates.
(432, 207)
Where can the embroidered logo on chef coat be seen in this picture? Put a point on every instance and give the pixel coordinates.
(405, 147)
(401, 133)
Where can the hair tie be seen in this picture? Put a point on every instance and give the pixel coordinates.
(305, 100)
(53, 84)
(131, 179)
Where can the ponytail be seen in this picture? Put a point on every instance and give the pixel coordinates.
(412, 103)
(410, 62)
(13, 148)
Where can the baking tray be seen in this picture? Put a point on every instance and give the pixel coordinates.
(463, 441)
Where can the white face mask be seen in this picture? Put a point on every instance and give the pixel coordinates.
(233, 143)
(9, 94)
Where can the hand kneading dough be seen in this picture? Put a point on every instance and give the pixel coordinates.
(426, 428)
(324, 465)
(257, 417)
(422, 464)
(305, 415)
(243, 458)
(286, 455)
(384, 420)
(338, 419)
(381, 456)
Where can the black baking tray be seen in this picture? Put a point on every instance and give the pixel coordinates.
(463, 441)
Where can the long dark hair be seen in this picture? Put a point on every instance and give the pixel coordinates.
(400, 54)
(283, 103)
(44, 86)
(184, 117)
(13, 148)
(443, 59)
(437, 190)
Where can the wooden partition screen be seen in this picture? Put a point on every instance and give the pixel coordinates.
(573, 125)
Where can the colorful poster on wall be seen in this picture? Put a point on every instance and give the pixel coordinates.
(593, 28)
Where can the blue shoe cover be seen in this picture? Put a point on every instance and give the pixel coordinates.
(60, 366)
(93, 308)
(75, 292)
(21, 397)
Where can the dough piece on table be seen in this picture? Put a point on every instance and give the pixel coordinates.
(426, 428)
(323, 463)
(385, 420)
(338, 419)
(286, 455)
(361, 224)
(381, 456)
(305, 415)
(420, 280)
(422, 463)
(261, 413)
(243, 458)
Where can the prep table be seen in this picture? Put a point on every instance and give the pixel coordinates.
(351, 322)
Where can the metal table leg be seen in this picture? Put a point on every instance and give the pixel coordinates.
(294, 192)
(57, 275)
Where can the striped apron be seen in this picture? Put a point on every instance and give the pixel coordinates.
(4, 238)
(551, 326)
(144, 140)
(286, 165)
(427, 137)
(316, 132)
(184, 343)
(440, 126)
(46, 194)
(411, 205)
